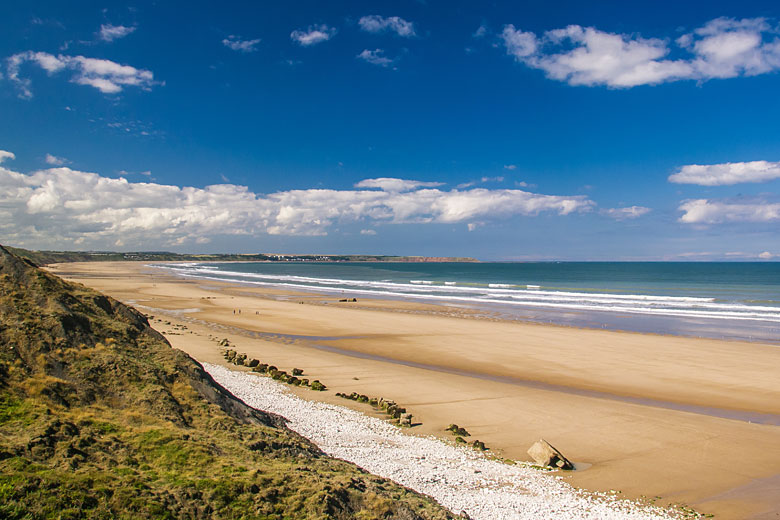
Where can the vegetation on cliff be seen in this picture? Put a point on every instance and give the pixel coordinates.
(101, 418)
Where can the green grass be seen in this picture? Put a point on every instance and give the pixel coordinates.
(101, 418)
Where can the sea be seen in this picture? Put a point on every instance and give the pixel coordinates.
(724, 300)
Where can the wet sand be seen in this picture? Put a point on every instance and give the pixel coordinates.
(652, 415)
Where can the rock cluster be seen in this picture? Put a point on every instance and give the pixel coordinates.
(239, 359)
(397, 413)
(463, 480)
(460, 432)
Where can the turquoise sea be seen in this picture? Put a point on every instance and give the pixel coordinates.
(733, 300)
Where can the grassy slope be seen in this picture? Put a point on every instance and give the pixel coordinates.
(101, 418)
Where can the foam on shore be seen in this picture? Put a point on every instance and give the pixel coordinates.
(459, 478)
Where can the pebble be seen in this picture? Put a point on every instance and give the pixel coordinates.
(459, 478)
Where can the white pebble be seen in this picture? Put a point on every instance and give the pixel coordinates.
(459, 478)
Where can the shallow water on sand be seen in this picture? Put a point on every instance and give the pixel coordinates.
(715, 300)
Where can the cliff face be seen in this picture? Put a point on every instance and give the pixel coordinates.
(101, 418)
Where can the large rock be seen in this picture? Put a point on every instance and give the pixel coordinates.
(546, 455)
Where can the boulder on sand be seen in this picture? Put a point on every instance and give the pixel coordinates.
(546, 455)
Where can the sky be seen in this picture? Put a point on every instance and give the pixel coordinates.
(535, 130)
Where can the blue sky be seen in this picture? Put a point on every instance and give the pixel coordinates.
(536, 130)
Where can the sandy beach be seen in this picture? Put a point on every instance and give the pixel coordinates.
(693, 421)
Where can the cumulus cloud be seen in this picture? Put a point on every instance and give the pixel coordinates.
(395, 185)
(54, 160)
(766, 255)
(704, 211)
(313, 35)
(107, 76)
(109, 33)
(726, 173)
(376, 57)
(239, 45)
(376, 23)
(722, 48)
(518, 43)
(630, 212)
(367, 232)
(6, 155)
(58, 206)
(510, 166)
(482, 180)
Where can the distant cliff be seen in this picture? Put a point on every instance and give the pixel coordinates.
(101, 418)
(55, 257)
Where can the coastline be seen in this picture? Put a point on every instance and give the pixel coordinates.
(701, 312)
(707, 462)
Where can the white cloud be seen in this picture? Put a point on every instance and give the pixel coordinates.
(236, 44)
(109, 33)
(107, 76)
(510, 166)
(395, 185)
(376, 57)
(518, 43)
(727, 173)
(60, 206)
(766, 255)
(726, 48)
(630, 212)
(481, 31)
(313, 35)
(6, 155)
(722, 48)
(376, 23)
(481, 180)
(367, 232)
(704, 211)
(54, 160)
